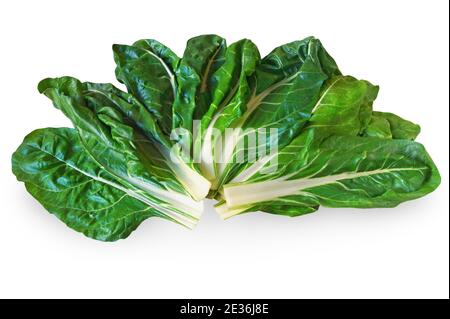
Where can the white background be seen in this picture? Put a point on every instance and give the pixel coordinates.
(401, 252)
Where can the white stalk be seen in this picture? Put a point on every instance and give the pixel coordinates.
(207, 151)
(253, 169)
(197, 185)
(225, 212)
(240, 195)
(254, 102)
(209, 144)
(188, 215)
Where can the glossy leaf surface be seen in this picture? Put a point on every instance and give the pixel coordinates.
(338, 171)
(69, 183)
(203, 124)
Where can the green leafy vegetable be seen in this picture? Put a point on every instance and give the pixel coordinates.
(280, 93)
(284, 134)
(343, 107)
(241, 59)
(70, 184)
(112, 122)
(336, 171)
(148, 70)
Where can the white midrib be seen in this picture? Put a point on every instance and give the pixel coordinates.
(188, 221)
(254, 168)
(255, 101)
(226, 212)
(167, 69)
(182, 219)
(207, 157)
(177, 200)
(207, 149)
(196, 184)
(240, 195)
(324, 94)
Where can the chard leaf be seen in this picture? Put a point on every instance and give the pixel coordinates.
(344, 106)
(148, 70)
(176, 160)
(191, 78)
(280, 94)
(202, 57)
(340, 109)
(142, 153)
(112, 140)
(389, 125)
(230, 87)
(337, 171)
(69, 183)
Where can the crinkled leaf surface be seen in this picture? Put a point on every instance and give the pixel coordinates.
(138, 154)
(389, 125)
(340, 109)
(69, 183)
(337, 171)
(280, 94)
(147, 68)
(120, 134)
